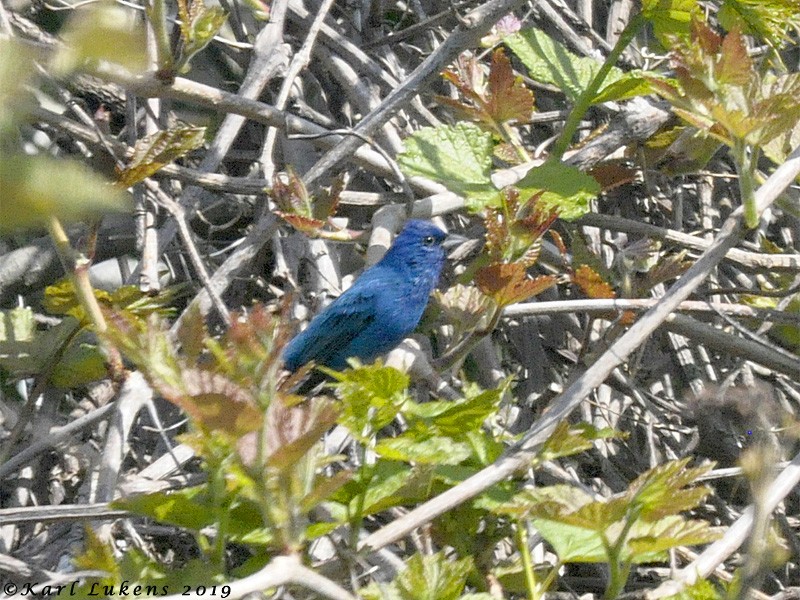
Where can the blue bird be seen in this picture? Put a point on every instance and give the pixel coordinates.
(380, 309)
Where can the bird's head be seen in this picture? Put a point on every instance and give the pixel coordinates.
(420, 247)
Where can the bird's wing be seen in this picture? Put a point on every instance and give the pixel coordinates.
(333, 329)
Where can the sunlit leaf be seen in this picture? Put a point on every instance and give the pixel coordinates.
(158, 150)
(199, 25)
(562, 188)
(432, 451)
(572, 438)
(458, 156)
(549, 61)
(592, 284)
(767, 19)
(429, 576)
(671, 17)
(507, 283)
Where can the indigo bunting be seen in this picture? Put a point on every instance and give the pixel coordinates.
(380, 309)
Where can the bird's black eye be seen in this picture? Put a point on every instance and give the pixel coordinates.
(429, 240)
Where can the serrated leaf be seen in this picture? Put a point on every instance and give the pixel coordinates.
(508, 98)
(662, 491)
(155, 151)
(549, 61)
(212, 400)
(507, 283)
(629, 85)
(464, 306)
(371, 396)
(649, 541)
(592, 284)
(734, 66)
(32, 194)
(433, 577)
(436, 450)
(767, 19)
(199, 25)
(291, 431)
(572, 438)
(671, 17)
(562, 188)
(457, 156)
(462, 416)
(393, 484)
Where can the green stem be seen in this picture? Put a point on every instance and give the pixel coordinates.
(527, 560)
(745, 165)
(77, 268)
(590, 93)
(157, 16)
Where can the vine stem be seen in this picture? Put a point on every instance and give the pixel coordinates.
(77, 268)
(527, 560)
(745, 165)
(590, 93)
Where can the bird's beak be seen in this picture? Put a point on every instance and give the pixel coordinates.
(453, 240)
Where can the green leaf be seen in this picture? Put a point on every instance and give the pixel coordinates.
(185, 508)
(26, 351)
(194, 509)
(102, 32)
(390, 484)
(767, 19)
(572, 438)
(426, 577)
(650, 541)
(661, 491)
(36, 188)
(158, 150)
(629, 85)
(454, 418)
(549, 61)
(432, 451)
(457, 156)
(565, 189)
(371, 396)
(671, 17)
(82, 362)
(204, 23)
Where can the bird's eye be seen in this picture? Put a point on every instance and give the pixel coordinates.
(429, 240)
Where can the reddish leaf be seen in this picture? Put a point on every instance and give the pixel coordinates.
(507, 283)
(559, 242)
(289, 194)
(293, 430)
(508, 98)
(734, 66)
(157, 150)
(592, 284)
(310, 226)
(213, 400)
(613, 174)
